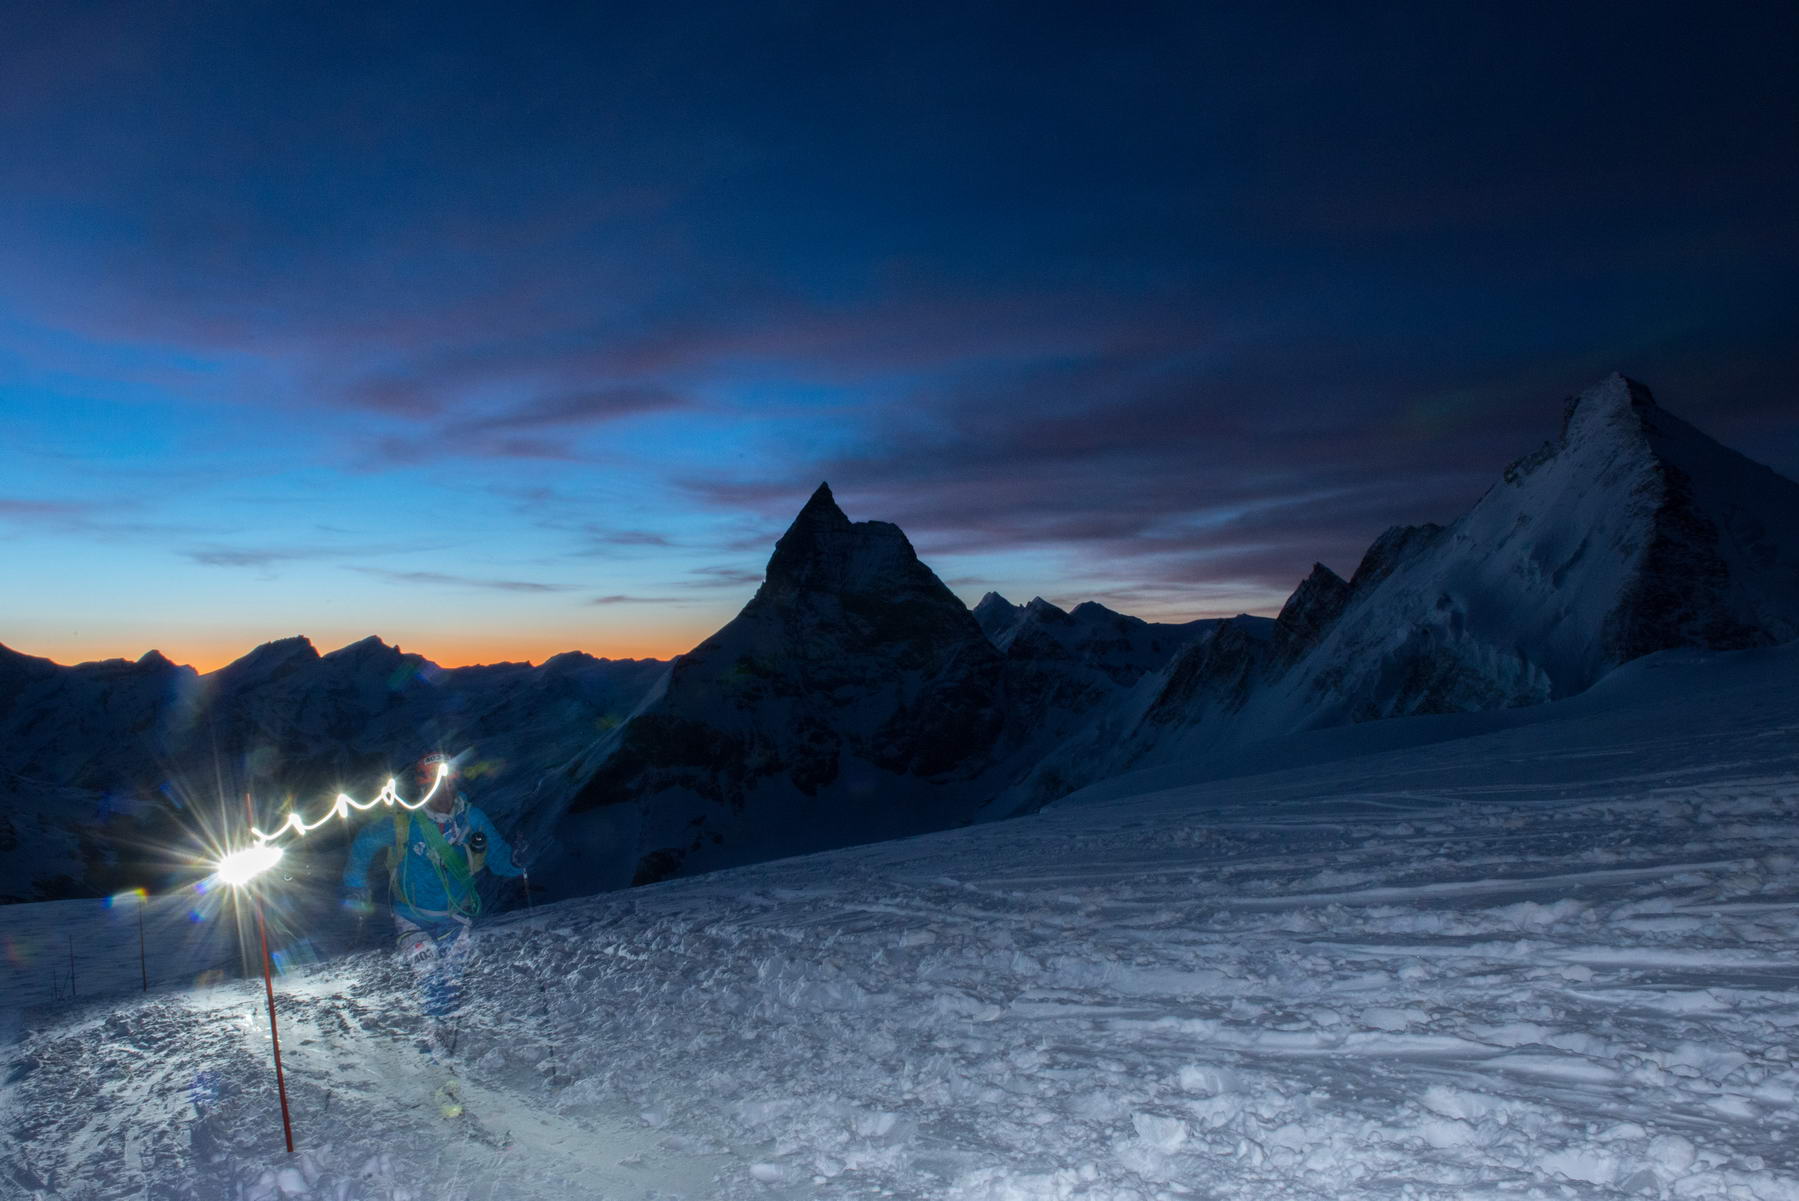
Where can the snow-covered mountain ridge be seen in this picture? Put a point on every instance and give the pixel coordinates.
(1632, 532)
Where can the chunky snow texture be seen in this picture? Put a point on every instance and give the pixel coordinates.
(101, 760)
(1552, 960)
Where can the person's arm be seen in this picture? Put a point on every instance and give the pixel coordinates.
(499, 851)
(369, 840)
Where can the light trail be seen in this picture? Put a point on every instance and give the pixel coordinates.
(239, 867)
(344, 803)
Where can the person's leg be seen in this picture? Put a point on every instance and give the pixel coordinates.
(413, 944)
(442, 987)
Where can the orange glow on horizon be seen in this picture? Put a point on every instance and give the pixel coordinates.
(206, 656)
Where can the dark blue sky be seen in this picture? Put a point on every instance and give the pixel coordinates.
(499, 332)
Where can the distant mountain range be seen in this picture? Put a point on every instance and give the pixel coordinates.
(855, 698)
(109, 769)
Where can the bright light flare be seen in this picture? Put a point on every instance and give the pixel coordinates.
(240, 867)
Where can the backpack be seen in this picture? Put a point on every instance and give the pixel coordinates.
(451, 866)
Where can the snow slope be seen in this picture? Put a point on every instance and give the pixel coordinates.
(1552, 960)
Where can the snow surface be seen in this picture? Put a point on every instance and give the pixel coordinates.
(1556, 959)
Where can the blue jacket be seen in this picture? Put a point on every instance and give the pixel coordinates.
(423, 890)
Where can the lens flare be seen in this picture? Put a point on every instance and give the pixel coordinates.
(240, 867)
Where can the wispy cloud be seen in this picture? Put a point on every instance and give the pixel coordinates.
(590, 407)
(29, 511)
(218, 555)
(451, 427)
(593, 540)
(640, 600)
(441, 579)
(431, 446)
(627, 537)
(244, 557)
(105, 521)
(723, 577)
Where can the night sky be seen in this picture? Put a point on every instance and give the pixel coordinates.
(499, 334)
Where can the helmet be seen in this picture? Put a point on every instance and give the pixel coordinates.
(430, 762)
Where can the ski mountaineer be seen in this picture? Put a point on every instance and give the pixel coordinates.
(434, 855)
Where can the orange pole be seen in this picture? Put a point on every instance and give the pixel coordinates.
(268, 984)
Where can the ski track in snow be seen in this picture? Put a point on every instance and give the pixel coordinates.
(1439, 974)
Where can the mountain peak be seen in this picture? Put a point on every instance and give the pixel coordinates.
(821, 509)
(367, 648)
(1313, 607)
(1613, 400)
(823, 550)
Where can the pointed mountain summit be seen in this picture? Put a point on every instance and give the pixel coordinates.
(1632, 532)
(811, 719)
(996, 616)
(825, 559)
(1314, 606)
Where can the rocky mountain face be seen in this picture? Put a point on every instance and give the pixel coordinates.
(853, 697)
(1631, 533)
(1063, 668)
(107, 767)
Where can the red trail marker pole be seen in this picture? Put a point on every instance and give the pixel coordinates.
(268, 984)
(143, 966)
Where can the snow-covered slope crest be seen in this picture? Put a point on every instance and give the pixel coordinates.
(853, 698)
